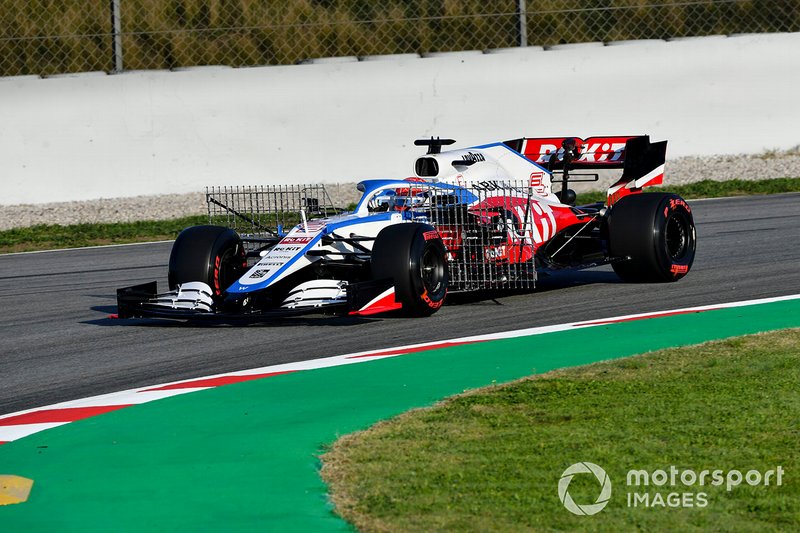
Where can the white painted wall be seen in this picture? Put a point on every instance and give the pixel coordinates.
(96, 136)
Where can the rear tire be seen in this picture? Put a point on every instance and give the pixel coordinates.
(414, 256)
(211, 254)
(656, 232)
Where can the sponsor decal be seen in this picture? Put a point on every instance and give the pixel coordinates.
(489, 185)
(675, 202)
(217, 289)
(599, 152)
(595, 149)
(431, 303)
(537, 182)
(474, 158)
(679, 269)
(296, 240)
(312, 227)
(494, 253)
(260, 273)
(280, 248)
(431, 235)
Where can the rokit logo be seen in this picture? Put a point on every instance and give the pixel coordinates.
(594, 149)
(495, 253)
(296, 240)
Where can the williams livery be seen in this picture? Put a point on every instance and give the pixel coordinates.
(486, 217)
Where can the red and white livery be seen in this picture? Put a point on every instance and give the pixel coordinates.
(492, 216)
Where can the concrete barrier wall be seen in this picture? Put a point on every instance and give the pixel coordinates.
(138, 133)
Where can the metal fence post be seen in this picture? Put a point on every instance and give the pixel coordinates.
(116, 42)
(522, 12)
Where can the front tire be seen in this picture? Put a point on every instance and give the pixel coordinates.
(414, 256)
(211, 254)
(655, 234)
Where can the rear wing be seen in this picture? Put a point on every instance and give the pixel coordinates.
(642, 161)
(593, 152)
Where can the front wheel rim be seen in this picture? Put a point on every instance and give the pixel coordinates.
(229, 268)
(432, 270)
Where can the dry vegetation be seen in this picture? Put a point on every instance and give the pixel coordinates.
(54, 36)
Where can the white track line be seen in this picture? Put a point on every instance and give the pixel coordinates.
(84, 248)
(31, 424)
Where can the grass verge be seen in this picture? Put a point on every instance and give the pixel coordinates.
(712, 189)
(45, 237)
(51, 236)
(491, 460)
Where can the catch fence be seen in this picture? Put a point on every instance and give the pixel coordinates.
(47, 37)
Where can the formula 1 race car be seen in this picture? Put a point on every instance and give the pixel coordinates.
(484, 217)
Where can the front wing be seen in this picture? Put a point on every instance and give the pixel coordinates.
(144, 301)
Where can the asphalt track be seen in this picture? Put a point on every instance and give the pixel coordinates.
(56, 343)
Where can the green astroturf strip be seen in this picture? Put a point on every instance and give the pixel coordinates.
(243, 457)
